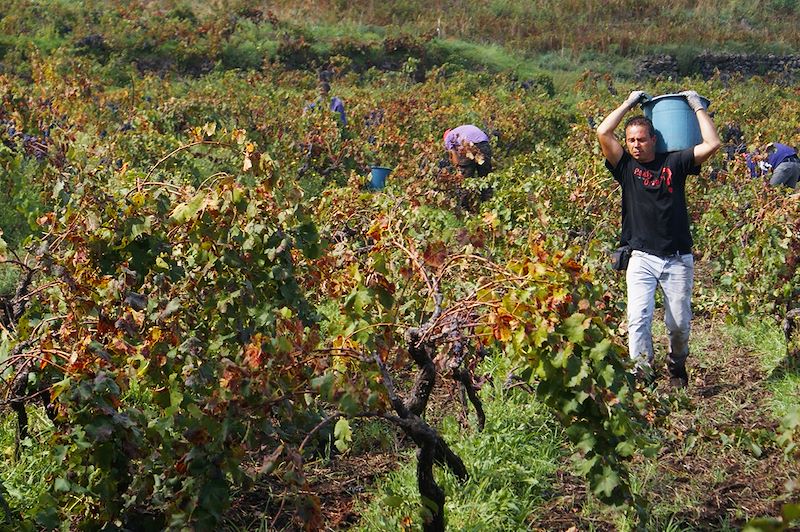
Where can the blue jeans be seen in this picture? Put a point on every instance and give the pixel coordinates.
(675, 275)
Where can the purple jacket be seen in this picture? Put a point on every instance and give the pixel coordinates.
(467, 132)
(337, 106)
(782, 151)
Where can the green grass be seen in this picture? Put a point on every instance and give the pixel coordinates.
(492, 57)
(766, 339)
(510, 463)
(26, 478)
(9, 275)
(371, 435)
(346, 29)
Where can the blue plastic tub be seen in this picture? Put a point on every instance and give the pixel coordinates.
(675, 122)
(378, 177)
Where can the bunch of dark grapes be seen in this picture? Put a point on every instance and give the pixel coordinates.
(32, 145)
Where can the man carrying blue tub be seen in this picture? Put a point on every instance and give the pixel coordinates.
(655, 226)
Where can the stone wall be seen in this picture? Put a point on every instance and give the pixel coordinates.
(707, 65)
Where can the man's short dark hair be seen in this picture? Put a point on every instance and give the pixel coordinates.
(641, 121)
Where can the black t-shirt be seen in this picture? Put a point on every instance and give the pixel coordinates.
(654, 215)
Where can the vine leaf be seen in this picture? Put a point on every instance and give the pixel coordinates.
(575, 326)
(186, 210)
(343, 434)
(606, 482)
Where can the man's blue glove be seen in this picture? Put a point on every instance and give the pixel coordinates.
(693, 99)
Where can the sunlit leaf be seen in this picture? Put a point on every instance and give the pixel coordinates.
(343, 434)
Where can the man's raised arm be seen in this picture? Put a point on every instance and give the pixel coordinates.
(711, 142)
(611, 147)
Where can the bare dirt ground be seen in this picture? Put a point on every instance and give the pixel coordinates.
(340, 484)
(719, 465)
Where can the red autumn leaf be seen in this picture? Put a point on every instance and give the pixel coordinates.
(435, 254)
(253, 353)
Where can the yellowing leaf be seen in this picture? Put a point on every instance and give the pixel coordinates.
(138, 317)
(501, 326)
(340, 342)
(186, 210)
(574, 327)
(343, 434)
(239, 135)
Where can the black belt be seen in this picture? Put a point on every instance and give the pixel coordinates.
(791, 158)
(668, 255)
(675, 254)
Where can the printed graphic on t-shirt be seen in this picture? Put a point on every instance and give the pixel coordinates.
(652, 181)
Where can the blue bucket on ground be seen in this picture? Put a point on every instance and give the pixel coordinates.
(378, 177)
(675, 122)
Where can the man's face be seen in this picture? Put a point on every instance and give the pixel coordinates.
(641, 145)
